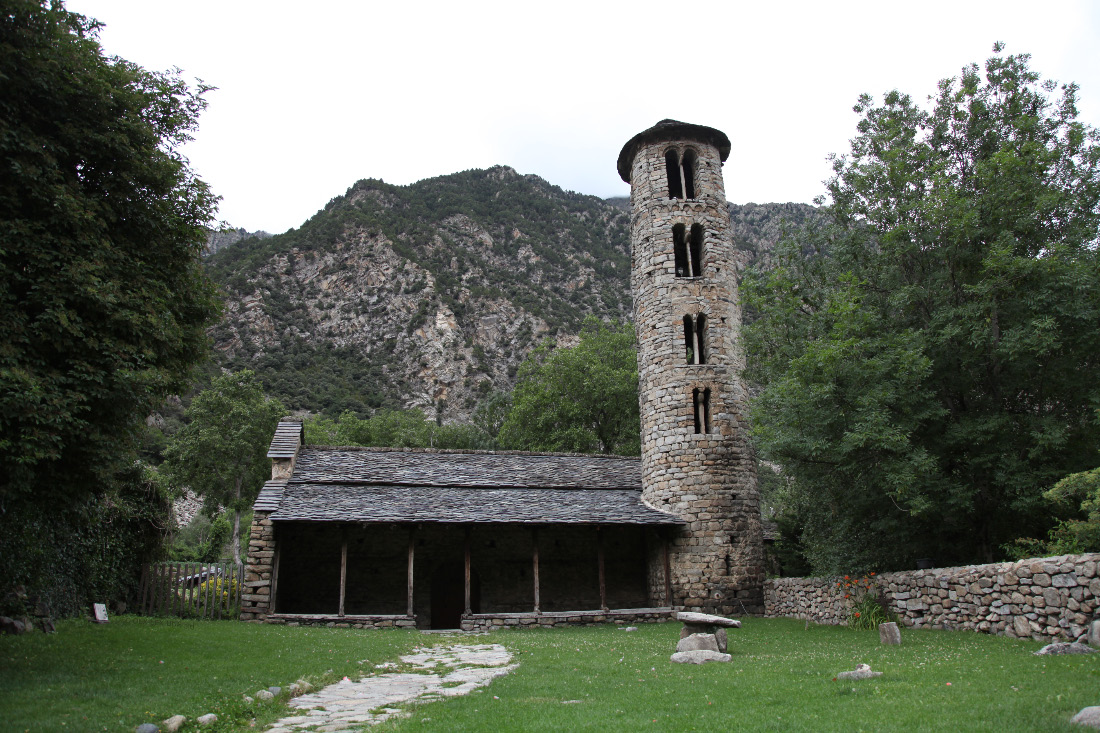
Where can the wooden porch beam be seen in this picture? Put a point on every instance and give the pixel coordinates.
(668, 571)
(343, 569)
(412, 554)
(535, 543)
(466, 547)
(600, 562)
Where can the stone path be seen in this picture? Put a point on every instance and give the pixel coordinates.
(438, 673)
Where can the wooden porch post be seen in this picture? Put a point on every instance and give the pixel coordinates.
(535, 543)
(599, 561)
(467, 554)
(274, 578)
(412, 553)
(668, 571)
(343, 568)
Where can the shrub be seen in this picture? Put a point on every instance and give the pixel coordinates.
(866, 607)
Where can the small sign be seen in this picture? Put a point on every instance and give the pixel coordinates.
(100, 612)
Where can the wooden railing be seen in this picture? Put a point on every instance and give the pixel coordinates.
(191, 589)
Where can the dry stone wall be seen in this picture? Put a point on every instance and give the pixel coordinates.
(1042, 598)
(256, 595)
(705, 476)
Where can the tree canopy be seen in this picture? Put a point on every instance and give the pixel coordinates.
(102, 295)
(221, 453)
(394, 429)
(929, 352)
(582, 399)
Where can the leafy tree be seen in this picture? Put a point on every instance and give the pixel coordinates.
(221, 454)
(1077, 494)
(103, 300)
(202, 540)
(582, 399)
(930, 352)
(102, 295)
(490, 415)
(393, 429)
(1080, 491)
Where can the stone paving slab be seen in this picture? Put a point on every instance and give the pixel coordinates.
(447, 672)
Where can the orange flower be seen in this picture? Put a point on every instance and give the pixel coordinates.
(857, 614)
(872, 573)
(845, 577)
(847, 595)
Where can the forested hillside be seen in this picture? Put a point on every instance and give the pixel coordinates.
(430, 295)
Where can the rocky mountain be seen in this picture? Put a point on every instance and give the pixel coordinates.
(430, 295)
(218, 239)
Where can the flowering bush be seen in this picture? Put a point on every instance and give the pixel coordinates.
(212, 594)
(866, 609)
(221, 588)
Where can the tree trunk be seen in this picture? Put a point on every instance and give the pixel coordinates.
(237, 522)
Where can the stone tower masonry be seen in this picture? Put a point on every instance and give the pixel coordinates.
(696, 459)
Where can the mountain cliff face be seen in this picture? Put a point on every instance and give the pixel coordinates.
(220, 239)
(429, 295)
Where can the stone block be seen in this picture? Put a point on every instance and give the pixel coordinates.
(1020, 627)
(698, 642)
(699, 657)
(1064, 580)
(889, 633)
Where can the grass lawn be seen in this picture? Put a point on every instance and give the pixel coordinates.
(90, 677)
(111, 677)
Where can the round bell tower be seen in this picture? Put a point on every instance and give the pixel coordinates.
(697, 462)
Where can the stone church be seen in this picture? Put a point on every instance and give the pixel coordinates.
(475, 539)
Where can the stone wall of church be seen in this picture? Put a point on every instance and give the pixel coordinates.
(256, 594)
(706, 477)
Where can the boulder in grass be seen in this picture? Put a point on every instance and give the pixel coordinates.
(208, 719)
(147, 728)
(1089, 717)
(11, 626)
(1061, 647)
(275, 690)
(888, 633)
(698, 642)
(263, 695)
(700, 656)
(304, 685)
(720, 637)
(173, 724)
(861, 672)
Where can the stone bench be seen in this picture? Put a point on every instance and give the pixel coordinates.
(705, 625)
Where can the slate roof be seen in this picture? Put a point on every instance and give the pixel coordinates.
(670, 130)
(269, 497)
(389, 485)
(467, 468)
(355, 503)
(287, 438)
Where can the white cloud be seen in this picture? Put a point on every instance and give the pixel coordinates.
(310, 101)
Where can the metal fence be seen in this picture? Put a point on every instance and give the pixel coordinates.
(192, 589)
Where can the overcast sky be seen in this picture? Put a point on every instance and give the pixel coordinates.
(314, 96)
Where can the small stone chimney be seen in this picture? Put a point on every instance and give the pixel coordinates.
(284, 447)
